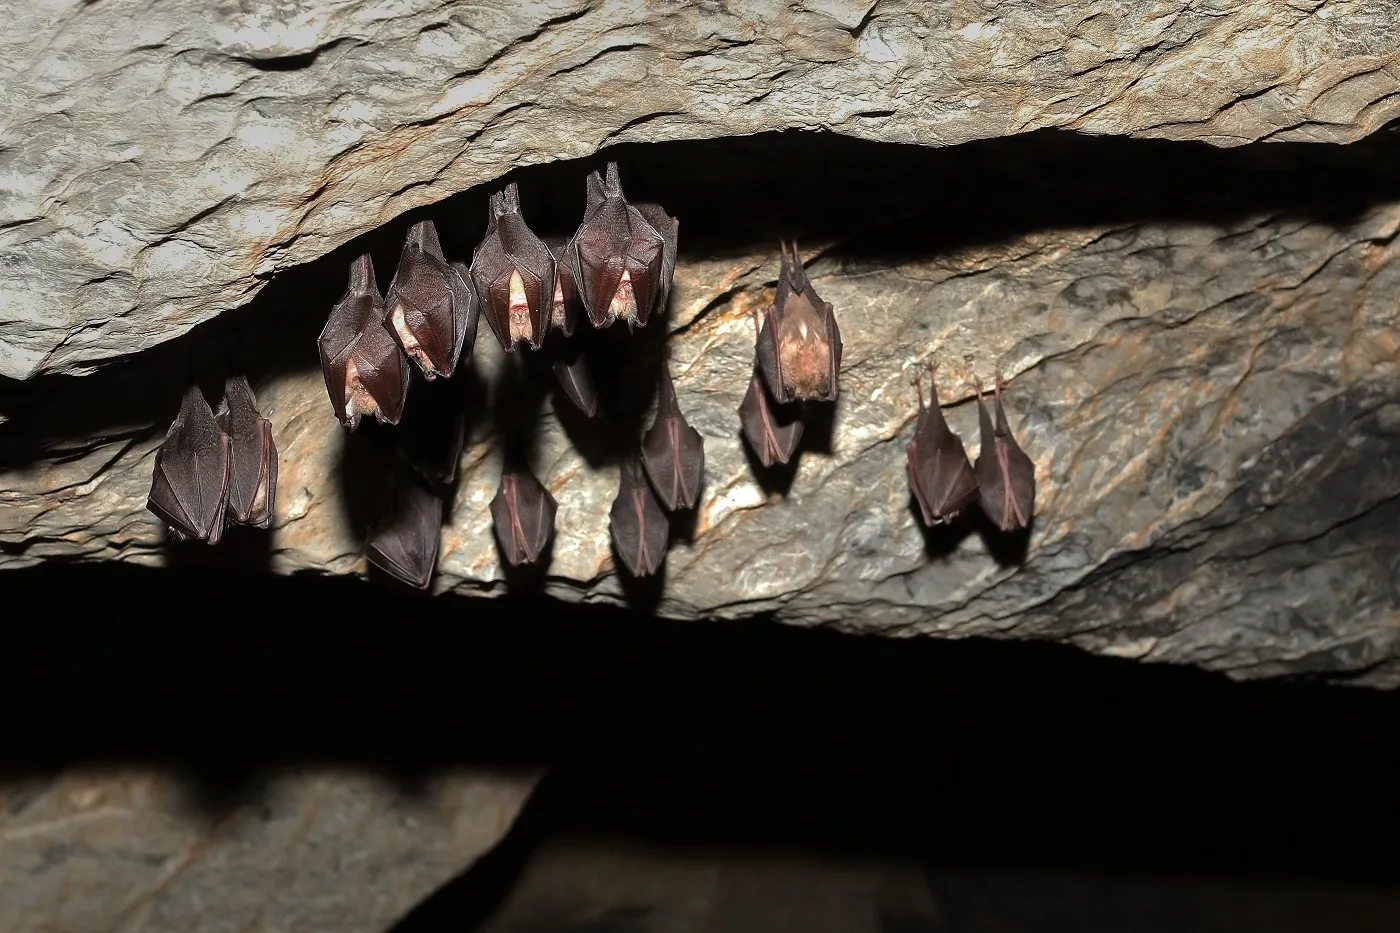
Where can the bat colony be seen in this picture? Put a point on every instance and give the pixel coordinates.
(214, 469)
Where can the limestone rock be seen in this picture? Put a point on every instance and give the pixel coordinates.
(161, 166)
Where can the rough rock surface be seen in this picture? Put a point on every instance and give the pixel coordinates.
(320, 850)
(1204, 370)
(160, 166)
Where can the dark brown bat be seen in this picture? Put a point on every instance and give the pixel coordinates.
(252, 473)
(366, 372)
(773, 438)
(190, 484)
(799, 344)
(1005, 475)
(564, 312)
(523, 513)
(940, 475)
(673, 452)
(639, 528)
(404, 541)
(623, 256)
(514, 275)
(577, 382)
(432, 311)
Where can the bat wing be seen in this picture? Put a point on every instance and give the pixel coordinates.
(404, 543)
(576, 380)
(638, 524)
(190, 483)
(377, 376)
(523, 515)
(673, 452)
(1005, 475)
(772, 439)
(669, 229)
(598, 263)
(466, 312)
(420, 303)
(359, 308)
(564, 311)
(833, 342)
(766, 350)
(252, 485)
(942, 478)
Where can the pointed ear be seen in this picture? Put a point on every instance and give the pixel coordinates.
(594, 193)
(798, 275)
(424, 236)
(362, 275)
(612, 184)
(510, 198)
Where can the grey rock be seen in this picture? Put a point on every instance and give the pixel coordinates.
(161, 166)
(1212, 400)
(319, 850)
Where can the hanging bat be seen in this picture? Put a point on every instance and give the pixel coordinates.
(252, 472)
(940, 475)
(523, 514)
(639, 528)
(1005, 475)
(673, 452)
(366, 373)
(432, 309)
(404, 542)
(799, 344)
(773, 439)
(564, 312)
(514, 275)
(190, 484)
(577, 382)
(623, 256)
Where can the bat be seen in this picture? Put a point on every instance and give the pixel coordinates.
(772, 439)
(523, 514)
(190, 484)
(1005, 475)
(622, 256)
(432, 310)
(673, 452)
(366, 372)
(252, 472)
(799, 344)
(577, 382)
(514, 275)
(639, 528)
(404, 542)
(940, 475)
(564, 312)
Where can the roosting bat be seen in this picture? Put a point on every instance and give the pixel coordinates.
(1005, 475)
(577, 382)
(673, 452)
(623, 255)
(365, 370)
(640, 531)
(523, 513)
(190, 484)
(564, 311)
(772, 440)
(514, 275)
(940, 475)
(252, 472)
(799, 344)
(404, 542)
(432, 308)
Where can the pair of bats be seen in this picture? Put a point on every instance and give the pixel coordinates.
(945, 483)
(215, 469)
(797, 359)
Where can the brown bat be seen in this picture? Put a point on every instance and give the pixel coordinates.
(639, 528)
(190, 484)
(773, 438)
(623, 256)
(673, 452)
(799, 344)
(432, 309)
(939, 473)
(1005, 475)
(564, 312)
(514, 275)
(366, 372)
(523, 513)
(252, 482)
(404, 541)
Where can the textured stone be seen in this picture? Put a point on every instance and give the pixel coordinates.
(90, 851)
(162, 165)
(1212, 400)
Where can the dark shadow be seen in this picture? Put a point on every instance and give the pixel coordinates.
(818, 425)
(438, 418)
(683, 522)
(777, 478)
(1007, 548)
(363, 473)
(242, 548)
(942, 540)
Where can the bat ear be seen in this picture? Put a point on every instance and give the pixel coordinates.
(798, 275)
(424, 236)
(510, 198)
(362, 275)
(594, 190)
(612, 185)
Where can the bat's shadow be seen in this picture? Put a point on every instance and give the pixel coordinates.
(525, 578)
(941, 540)
(1007, 548)
(642, 594)
(242, 548)
(777, 478)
